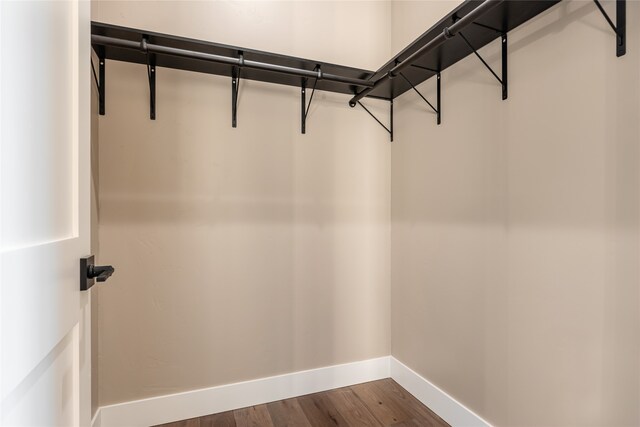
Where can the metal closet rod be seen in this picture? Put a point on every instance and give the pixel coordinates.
(446, 34)
(240, 62)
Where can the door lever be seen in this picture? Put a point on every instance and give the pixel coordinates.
(90, 273)
(100, 272)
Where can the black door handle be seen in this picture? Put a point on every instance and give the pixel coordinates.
(90, 273)
(100, 272)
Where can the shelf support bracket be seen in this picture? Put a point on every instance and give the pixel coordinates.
(391, 120)
(101, 80)
(438, 99)
(235, 86)
(505, 74)
(503, 80)
(436, 110)
(620, 27)
(151, 73)
(388, 129)
(304, 106)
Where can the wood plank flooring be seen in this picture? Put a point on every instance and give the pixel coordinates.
(375, 404)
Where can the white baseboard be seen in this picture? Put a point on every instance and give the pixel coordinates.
(97, 420)
(191, 404)
(449, 409)
(180, 406)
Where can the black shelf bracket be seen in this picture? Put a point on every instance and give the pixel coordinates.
(303, 94)
(235, 87)
(620, 27)
(151, 73)
(435, 109)
(388, 129)
(505, 74)
(303, 107)
(101, 80)
(503, 42)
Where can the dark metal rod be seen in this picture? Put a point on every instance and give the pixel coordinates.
(447, 33)
(150, 47)
(606, 16)
(418, 92)
(438, 102)
(111, 41)
(101, 86)
(375, 118)
(480, 57)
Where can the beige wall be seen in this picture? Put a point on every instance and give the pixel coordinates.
(515, 224)
(249, 252)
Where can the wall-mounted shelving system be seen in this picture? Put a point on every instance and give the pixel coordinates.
(162, 50)
(466, 29)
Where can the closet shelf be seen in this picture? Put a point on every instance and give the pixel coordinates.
(126, 44)
(462, 32)
(489, 26)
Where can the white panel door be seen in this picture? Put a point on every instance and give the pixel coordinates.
(44, 211)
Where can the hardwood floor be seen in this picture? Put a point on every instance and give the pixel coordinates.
(379, 404)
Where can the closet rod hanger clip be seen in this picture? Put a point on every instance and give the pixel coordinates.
(143, 45)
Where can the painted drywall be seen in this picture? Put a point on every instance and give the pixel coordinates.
(249, 252)
(515, 224)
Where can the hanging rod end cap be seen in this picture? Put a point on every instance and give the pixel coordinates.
(352, 104)
(447, 33)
